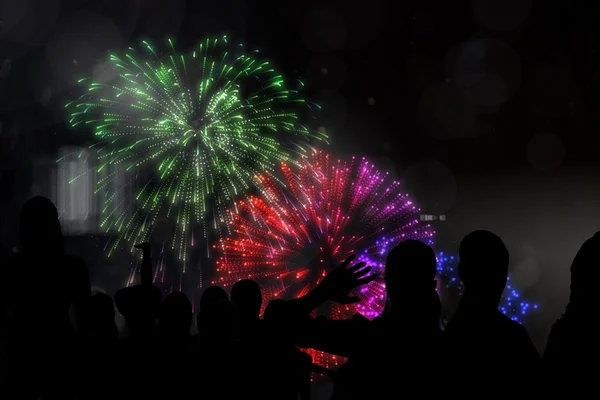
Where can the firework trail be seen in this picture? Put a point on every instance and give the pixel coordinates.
(192, 129)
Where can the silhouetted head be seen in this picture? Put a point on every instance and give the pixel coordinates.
(247, 297)
(275, 310)
(483, 266)
(212, 295)
(102, 308)
(40, 228)
(583, 272)
(220, 323)
(175, 316)
(123, 301)
(410, 272)
(102, 316)
(279, 322)
(139, 305)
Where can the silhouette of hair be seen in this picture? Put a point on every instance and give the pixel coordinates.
(221, 322)
(483, 263)
(212, 295)
(138, 302)
(175, 315)
(410, 261)
(275, 309)
(583, 271)
(247, 297)
(40, 227)
(123, 301)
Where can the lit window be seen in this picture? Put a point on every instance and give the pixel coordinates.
(75, 190)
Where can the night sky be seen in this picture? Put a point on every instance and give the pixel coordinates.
(487, 109)
(468, 83)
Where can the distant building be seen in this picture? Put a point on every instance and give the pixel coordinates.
(75, 182)
(79, 202)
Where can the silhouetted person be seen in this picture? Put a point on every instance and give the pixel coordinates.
(174, 340)
(215, 362)
(99, 356)
(139, 304)
(175, 321)
(276, 359)
(408, 331)
(573, 349)
(222, 327)
(436, 312)
(211, 296)
(136, 358)
(104, 330)
(247, 297)
(288, 370)
(405, 336)
(46, 293)
(484, 340)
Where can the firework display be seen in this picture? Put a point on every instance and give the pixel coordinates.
(512, 304)
(193, 129)
(291, 234)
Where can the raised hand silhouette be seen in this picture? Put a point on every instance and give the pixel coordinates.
(145, 247)
(146, 270)
(338, 284)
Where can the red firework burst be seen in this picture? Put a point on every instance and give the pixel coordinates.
(290, 235)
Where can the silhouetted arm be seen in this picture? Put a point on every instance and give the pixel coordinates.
(146, 273)
(303, 306)
(336, 286)
(341, 337)
(337, 337)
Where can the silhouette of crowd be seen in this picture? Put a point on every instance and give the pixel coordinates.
(61, 342)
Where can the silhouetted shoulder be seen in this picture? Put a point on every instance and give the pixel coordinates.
(77, 266)
(561, 324)
(78, 274)
(508, 324)
(518, 328)
(506, 321)
(571, 338)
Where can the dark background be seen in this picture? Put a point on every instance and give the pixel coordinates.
(487, 110)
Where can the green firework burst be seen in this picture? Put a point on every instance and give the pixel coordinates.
(203, 122)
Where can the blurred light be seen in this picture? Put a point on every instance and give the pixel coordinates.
(75, 190)
(512, 304)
